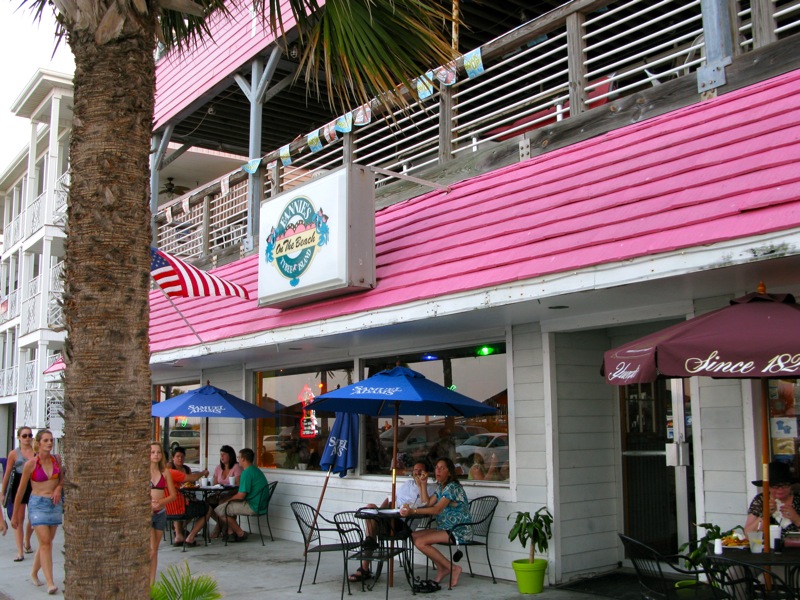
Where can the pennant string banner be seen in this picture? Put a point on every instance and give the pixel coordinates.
(286, 160)
(473, 63)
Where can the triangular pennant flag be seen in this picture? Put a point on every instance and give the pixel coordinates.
(225, 185)
(286, 160)
(424, 85)
(473, 63)
(185, 205)
(168, 214)
(344, 124)
(329, 132)
(313, 141)
(363, 115)
(252, 165)
(446, 74)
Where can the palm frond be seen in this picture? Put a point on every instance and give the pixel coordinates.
(366, 48)
(178, 583)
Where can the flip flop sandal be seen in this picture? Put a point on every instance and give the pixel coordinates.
(19, 559)
(28, 550)
(361, 574)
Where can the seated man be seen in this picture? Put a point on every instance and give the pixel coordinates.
(407, 494)
(193, 509)
(245, 502)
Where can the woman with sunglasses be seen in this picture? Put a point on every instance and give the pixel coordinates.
(16, 461)
(45, 509)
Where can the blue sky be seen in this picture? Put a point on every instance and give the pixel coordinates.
(27, 46)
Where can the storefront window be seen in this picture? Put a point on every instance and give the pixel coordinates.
(183, 431)
(784, 398)
(294, 439)
(478, 446)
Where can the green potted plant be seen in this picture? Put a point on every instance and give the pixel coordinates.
(536, 529)
(702, 546)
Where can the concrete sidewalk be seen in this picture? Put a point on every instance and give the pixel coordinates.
(247, 570)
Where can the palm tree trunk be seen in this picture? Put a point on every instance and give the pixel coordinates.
(107, 398)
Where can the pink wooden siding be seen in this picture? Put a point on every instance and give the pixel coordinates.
(718, 170)
(181, 79)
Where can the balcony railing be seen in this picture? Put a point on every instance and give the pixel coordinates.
(8, 381)
(30, 307)
(60, 201)
(573, 59)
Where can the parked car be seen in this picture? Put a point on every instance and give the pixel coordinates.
(484, 444)
(189, 439)
(414, 441)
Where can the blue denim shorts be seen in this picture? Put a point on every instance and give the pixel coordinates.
(42, 511)
(159, 522)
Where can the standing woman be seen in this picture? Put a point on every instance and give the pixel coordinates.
(16, 461)
(162, 492)
(45, 509)
(450, 505)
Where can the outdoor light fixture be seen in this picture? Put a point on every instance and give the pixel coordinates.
(485, 351)
(429, 357)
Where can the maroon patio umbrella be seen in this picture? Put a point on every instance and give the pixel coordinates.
(753, 338)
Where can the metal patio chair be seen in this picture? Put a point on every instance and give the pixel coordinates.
(312, 525)
(656, 573)
(736, 580)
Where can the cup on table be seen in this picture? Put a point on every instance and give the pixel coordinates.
(204, 481)
(232, 480)
(756, 539)
(774, 535)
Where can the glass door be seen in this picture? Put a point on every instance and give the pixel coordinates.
(658, 486)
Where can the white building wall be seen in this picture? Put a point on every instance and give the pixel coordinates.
(223, 431)
(727, 415)
(588, 456)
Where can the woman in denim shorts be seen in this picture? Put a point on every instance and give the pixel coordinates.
(45, 509)
(162, 492)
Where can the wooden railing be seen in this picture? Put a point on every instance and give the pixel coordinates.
(567, 62)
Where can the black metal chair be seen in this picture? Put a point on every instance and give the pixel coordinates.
(481, 513)
(352, 534)
(735, 580)
(312, 526)
(264, 512)
(657, 574)
(263, 504)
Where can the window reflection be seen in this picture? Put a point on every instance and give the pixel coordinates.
(478, 446)
(295, 438)
(180, 431)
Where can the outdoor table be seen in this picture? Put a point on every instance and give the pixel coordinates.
(788, 558)
(202, 493)
(393, 534)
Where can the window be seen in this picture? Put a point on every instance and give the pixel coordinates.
(181, 430)
(478, 446)
(294, 439)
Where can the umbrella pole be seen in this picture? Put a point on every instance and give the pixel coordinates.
(206, 465)
(395, 421)
(319, 505)
(765, 461)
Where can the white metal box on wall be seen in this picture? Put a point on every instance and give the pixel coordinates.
(318, 240)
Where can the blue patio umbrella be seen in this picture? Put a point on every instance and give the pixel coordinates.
(399, 391)
(209, 401)
(341, 451)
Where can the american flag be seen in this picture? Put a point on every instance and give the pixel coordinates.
(181, 280)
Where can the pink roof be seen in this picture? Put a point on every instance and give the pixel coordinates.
(715, 171)
(235, 40)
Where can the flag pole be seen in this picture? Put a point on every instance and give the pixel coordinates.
(178, 310)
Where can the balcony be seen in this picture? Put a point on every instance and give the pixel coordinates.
(514, 97)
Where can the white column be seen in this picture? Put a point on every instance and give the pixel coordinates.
(53, 150)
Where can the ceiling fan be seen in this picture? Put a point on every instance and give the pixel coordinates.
(172, 189)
